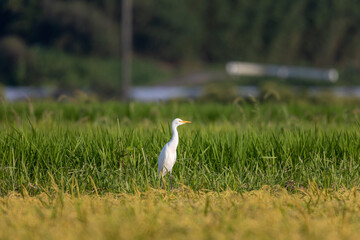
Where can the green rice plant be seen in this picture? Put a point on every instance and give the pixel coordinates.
(115, 146)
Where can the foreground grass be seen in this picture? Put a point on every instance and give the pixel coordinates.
(268, 213)
(87, 170)
(238, 147)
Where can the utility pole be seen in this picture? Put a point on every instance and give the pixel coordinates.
(126, 47)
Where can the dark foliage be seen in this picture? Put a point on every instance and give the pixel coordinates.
(322, 33)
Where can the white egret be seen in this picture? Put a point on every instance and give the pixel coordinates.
(167, 157)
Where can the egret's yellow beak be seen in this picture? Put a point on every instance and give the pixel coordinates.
(185, 121)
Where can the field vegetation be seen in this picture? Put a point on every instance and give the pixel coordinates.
(239, 147)
(77, 168)
(268, 213)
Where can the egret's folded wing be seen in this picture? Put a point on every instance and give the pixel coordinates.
(161, 160)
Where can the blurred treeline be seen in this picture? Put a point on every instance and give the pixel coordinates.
(76, 43)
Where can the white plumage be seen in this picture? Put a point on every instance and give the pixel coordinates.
(167, 157)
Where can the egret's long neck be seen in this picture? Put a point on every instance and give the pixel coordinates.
(175, 136)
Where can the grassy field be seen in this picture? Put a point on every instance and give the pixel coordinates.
(268, 213)
(114, 147)
(81, 169)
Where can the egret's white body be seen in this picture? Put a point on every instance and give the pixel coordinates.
(167, 157)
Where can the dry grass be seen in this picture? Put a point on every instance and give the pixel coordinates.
(269, 213)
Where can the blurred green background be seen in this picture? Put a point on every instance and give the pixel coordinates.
(76, 44)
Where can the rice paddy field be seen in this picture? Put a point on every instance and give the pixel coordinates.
(83, 169)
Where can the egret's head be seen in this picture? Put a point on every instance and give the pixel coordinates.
(177, 122)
